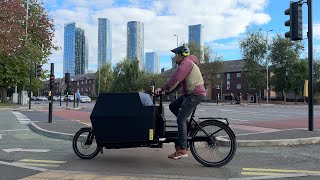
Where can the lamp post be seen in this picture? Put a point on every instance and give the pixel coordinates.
(177, 39)
(30, 88)
(98, 69)
(268, 66)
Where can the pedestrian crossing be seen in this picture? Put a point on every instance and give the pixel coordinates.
(21, 118)
(39, 163)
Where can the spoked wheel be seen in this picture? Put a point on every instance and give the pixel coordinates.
(84, 144)
(219, 149)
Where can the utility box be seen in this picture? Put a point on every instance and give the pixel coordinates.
(23, 98)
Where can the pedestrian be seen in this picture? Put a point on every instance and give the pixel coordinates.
(231, 98)
(78, 97)
(188, 77)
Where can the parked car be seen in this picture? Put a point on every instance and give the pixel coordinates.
(57, 98)
(42, 98)
(69, 98)
(84, 99)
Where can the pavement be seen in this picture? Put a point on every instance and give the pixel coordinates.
(66, 122)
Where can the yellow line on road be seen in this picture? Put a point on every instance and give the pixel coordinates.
(281, 170)
(42, 161)
(261, 173)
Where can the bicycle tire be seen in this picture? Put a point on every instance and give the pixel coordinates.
(231, 141)
(75, 141)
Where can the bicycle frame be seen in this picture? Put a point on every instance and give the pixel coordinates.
(190, 126)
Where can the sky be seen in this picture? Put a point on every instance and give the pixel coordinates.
(224, 22)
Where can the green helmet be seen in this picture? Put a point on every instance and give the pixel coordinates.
(184, 50)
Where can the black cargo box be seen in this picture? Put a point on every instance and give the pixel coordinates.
(124, 118)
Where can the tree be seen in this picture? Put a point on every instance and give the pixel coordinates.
(289, 71)
(316, 76)
(254, 51)
(125, 76)
(106, 78)
(18, 49)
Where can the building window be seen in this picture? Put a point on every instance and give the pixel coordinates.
(238, 75)
(81, 82)
(238, 86)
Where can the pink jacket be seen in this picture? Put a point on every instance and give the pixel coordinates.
(189, 76)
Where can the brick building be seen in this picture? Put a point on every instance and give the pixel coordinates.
(85, 84)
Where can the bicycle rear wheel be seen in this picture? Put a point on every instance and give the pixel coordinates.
(218, 149)
(84, 144)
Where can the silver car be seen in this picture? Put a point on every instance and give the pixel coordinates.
(85, 99)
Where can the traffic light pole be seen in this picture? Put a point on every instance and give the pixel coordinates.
(51, 80)
(310, 64)
(30, 84)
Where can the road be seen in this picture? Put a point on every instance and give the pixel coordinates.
(26, 154)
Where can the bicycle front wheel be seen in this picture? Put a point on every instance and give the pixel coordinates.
(218, 149)
(84, 144)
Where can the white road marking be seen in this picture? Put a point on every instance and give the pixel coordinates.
(23, 166)
(25, 150)
(1, 136)
(22, 118)
(11, 130)
(252, 113)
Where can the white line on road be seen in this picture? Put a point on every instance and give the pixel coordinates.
(252, 113)
(22, 118)
(1, 136)
(233, 119)
(11, 130)
(22, 166)
(25, 150)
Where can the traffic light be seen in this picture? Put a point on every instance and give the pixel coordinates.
(51, 81)
(38, 70)
(295, 21)
(67, 78)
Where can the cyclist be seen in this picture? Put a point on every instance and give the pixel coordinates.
(189, 77)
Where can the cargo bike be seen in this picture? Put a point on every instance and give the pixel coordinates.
(127, 120)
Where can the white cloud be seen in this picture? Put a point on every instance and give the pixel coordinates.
(161, 18)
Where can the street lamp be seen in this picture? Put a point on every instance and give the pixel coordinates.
(177, 39)
(98, 69)
(268, 66)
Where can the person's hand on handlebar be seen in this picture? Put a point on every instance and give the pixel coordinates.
(159, 91)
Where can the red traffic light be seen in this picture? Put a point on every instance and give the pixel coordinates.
(51, 77)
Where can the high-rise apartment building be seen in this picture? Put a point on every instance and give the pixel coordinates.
(152, 63)
(135, 42)
(196, 34)
(104, 42)
(75, 55)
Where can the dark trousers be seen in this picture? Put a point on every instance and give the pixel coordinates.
(182, 108)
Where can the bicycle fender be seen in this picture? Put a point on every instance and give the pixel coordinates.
(223, 120)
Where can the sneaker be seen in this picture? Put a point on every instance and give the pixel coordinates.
(180, 153)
